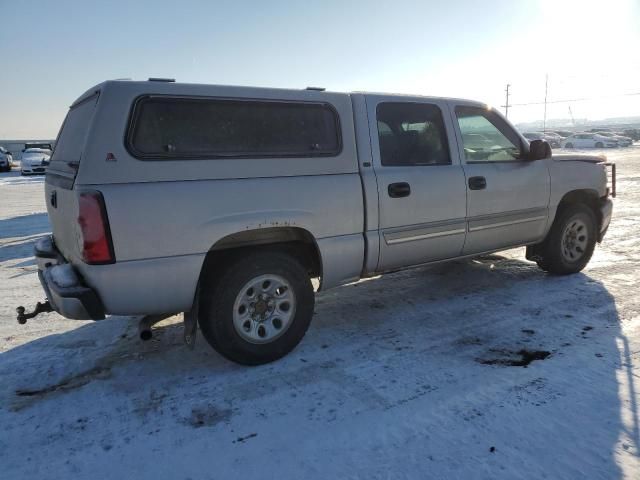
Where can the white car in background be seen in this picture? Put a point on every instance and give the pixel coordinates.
(555, 136)
(34, 160)
(588, 140)
(6, 160)
(621, 139)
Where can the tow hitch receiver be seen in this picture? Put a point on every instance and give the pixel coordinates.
(43, 307)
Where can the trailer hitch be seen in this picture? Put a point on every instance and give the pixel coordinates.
(43, 307)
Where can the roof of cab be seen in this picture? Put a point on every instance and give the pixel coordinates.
(165, 87)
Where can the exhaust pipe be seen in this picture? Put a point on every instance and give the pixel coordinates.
(146, 322)
(145, 334)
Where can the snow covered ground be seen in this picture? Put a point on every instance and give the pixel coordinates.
(406, 376)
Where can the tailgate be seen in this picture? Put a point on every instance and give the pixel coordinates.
(61, 199)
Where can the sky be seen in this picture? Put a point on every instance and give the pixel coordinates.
(52, 51)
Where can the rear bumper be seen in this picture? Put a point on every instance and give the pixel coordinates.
(606, 211)
(63, 286)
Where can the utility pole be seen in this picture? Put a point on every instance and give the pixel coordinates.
(546, 90)
(506, 103)
(573, 122)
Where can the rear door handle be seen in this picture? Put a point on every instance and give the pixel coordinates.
(477, 183)
(400, 189)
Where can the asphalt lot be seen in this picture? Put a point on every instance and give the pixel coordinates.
(410, 375)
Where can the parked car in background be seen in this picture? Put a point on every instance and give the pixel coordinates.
(477, 141)
(633, 133)
(562, 133)
(553, 141)
(621, 139)
(557, 137)
(588, 140)
(6, 160)
(34, 160)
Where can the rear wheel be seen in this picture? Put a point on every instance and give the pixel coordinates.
(569, 145)
(599, 145)
(570, 242)
(258, 308)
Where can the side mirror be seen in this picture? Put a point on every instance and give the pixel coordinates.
(539, 150)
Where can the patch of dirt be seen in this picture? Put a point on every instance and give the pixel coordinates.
(469, 341)
(207, 416)
(509, 358)
(245, 438)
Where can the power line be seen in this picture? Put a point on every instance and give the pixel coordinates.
(582, 99)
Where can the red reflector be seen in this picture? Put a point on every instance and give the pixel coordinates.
(94, 226)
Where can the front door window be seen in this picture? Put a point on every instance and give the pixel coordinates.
(486, 137)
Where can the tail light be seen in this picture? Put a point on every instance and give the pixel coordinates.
(97, 247)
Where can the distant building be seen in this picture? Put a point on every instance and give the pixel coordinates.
(15, 147)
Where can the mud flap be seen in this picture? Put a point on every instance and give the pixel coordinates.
(191, 323)
(534, 252)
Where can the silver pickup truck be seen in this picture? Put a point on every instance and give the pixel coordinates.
(225, 202)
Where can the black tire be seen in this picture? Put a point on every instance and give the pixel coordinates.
(599, 145)
(568, 145)
(550, 253)
(219, 294)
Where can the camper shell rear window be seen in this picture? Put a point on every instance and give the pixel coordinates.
(73, 135)
(168, 127)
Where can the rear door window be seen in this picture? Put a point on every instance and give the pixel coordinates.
(174, 127)
(411, 134)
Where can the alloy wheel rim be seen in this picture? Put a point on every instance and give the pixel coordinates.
(264, 309)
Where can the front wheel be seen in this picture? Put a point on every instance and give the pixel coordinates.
(258, 308)
(599, 145)
(570, 242)
(569, 145)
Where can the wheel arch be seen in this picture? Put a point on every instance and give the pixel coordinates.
(586, 196)
(295, 241)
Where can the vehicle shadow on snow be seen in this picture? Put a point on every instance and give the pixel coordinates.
(14, 178)
(24, 226)
(19, 234)
(478, 315)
